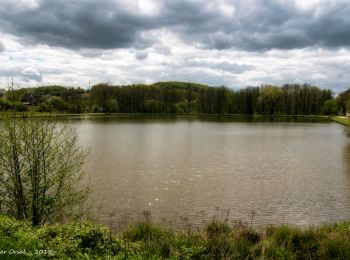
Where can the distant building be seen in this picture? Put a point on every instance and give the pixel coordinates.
(30, 99)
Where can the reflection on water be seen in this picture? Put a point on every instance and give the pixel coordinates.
(287, 172)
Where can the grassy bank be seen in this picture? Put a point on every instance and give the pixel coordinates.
(18, 240)
(341, 120)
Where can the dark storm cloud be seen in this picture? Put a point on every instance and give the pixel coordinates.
(263, 25)
(254, 25)
(76, 24)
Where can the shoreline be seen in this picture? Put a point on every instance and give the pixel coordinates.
(90, 115)
(345, 121)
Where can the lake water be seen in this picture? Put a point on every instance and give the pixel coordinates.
(186, 171)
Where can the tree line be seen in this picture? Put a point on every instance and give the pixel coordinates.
(179, 97)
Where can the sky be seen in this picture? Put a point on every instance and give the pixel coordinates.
(236, 43)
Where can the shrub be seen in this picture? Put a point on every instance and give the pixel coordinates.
(41, 169)
(335, 247)
(95, 109)
(65, 241)
(85, 238)
(145, 231)
(216, 228)
(4, 105)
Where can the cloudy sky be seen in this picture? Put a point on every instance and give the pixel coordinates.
(218, 42)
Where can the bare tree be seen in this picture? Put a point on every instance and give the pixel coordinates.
(40, 169)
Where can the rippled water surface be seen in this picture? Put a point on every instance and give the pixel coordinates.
(287, 172)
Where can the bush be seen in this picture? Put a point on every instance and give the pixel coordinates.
(145, 231)
(58, 104)
(336, 247)
(95, 109)
(216, 228)
(64, 241)
(44, 107)
(18, 106)
(17, 235)
(85, 238)
(155, 240)
(43, 183)
(4, 105)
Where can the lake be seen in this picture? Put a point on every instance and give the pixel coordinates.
(185, 171)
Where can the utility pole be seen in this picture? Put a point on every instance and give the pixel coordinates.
(11, 89)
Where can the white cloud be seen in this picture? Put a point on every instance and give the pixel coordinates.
(2, 47)
(149, 7)
(35, 65)
(226, 8)
(30, 72)
(309, 4)
(21, 4)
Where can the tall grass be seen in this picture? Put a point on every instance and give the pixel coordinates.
(146, 240)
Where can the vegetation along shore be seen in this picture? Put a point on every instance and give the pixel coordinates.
(146, 240)
(341, 120)
(177, 98)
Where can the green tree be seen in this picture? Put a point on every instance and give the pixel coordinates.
(100, 94)
(269, 99)
(330, 107)
(343, 100)
(112, 105)
(40, 170)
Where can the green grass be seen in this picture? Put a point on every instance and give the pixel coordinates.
(146, 240)
(341, 120)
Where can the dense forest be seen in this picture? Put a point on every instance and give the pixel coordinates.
(178, 97)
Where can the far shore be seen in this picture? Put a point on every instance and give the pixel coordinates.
(338, 119)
